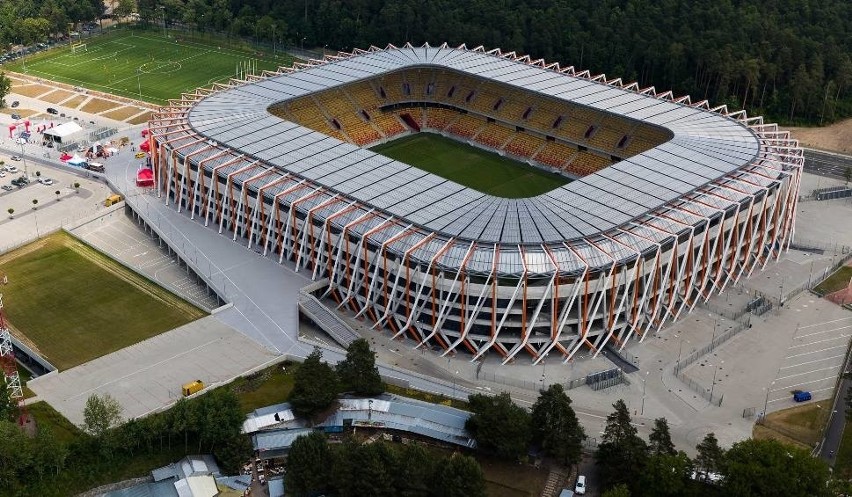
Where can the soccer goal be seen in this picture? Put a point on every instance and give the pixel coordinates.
(78, 47)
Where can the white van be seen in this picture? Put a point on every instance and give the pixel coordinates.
(580, 487)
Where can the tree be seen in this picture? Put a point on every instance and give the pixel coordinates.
(358, 372)
(555, 427)
(308, 465)
(124, 8)
(459, 476)
(57, 192)
(499, 426)
(414, 474)
(621, 455)
(315, 386)
(665, 475)
(5, 88)
(8, 406)
(181, 419)
(10, 211)
(38, 174)
(710, 456)
(77, 186)
(757, 468)
(100, 414)
(35, 203)
(660, 440)
(619, 490)
(222, 417)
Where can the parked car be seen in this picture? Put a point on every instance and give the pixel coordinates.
(45, 181)
(51, 110)
(12, 169)
(8, 188)
(580, 487)
(15, 157)
(2, 174)
(16, 116)
(15, 104)
(140, 155)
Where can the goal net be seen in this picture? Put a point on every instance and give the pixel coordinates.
(78, 47)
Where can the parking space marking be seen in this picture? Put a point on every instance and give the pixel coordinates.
(815, 360)
(819, 341)
(802, 374)
(815, 351)
(826, 331)
(825, 322)
(787, 397)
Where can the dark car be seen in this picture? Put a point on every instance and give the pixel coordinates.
(15, 104)
(51, 110)
(16, 116)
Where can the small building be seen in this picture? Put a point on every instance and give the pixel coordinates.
(65, 133)
(192, 476)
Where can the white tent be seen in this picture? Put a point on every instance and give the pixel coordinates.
(65, 133)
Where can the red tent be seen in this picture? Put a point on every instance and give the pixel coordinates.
(144, 146)
(144, 177)
(64, 157)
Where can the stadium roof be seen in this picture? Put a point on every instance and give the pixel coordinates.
(704, 147)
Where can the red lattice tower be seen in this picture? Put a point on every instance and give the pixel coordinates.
(9, 366)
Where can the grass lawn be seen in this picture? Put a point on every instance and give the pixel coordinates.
(801, 425)
(270, 386)
(843, 463)
(124, 62)
(837, 281)
(473, 167)
(75, 304)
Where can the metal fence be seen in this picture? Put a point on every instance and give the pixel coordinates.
(721, 338)
(602, 382)
(707, 393)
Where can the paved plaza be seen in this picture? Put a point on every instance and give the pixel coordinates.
(148, 376)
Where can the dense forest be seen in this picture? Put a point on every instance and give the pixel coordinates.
(789, 60)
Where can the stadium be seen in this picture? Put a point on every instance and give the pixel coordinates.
(663, 201)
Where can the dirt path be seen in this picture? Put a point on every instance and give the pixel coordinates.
(836, 138)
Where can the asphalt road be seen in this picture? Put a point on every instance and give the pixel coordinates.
(827, 164)
(834, 430)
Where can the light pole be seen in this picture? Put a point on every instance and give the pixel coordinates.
(766, 400)
(138, 83)
(680, 350)
(273, 40)
(163, 16)
(303, 42)
(370, 411)
(644, 385)
(24, 158)
(713, 385)
(454, 384)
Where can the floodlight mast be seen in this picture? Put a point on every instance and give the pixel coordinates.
(9, 367)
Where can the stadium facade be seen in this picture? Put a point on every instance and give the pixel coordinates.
(671, 200)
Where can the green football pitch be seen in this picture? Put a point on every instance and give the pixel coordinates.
(75, 304)
(470, 166)
(144, 65)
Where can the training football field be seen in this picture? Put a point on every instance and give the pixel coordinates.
(470, 166)
(144, 65)
(75, 304)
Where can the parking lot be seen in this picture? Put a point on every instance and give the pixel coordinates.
(50, 211)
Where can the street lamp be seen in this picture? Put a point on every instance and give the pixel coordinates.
(644, 385)
(713, 385)
(454, 384)
(138, 83)
(766, 400)
(163, 16)
(24, 158)
(680, 349)
(273, 40)
(303, 42)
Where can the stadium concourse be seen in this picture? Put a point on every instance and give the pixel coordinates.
(672, 201)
